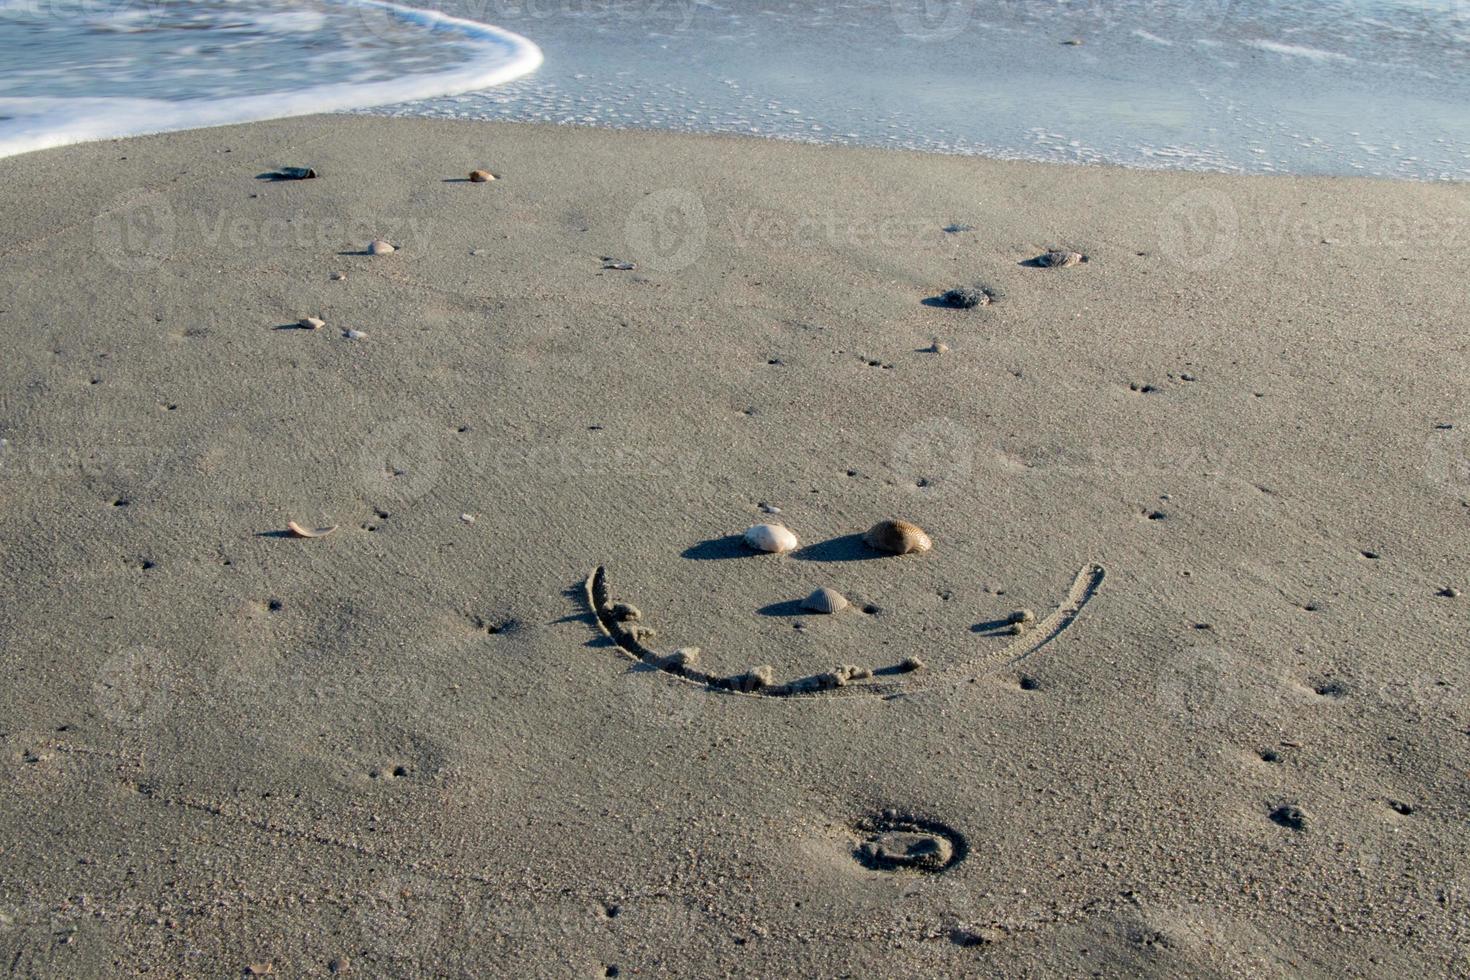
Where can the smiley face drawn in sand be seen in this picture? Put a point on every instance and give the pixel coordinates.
(629, 635)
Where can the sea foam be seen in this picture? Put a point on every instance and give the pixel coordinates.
(489, 57)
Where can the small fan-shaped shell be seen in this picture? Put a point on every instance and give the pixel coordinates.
(312, 323)
(771, 537)
(825, 600)
(297, 531)
(898, 538)
(1060, 260)
(481, 176)
(380, 247)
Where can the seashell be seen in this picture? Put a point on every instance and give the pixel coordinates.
(1059, 260)
(966, 297)
(312, 323)
(297, 531)
(1073, 42)
(825, 600)
(939, 347)
(467, 518)
(754, 679)
(295, 173)
(911, 664)
(608, 262)
(771, 537)
(770, 509)
(379, 247)
(897, 537)
(338, 276)
(625, 612)
(481, 176)
(353, 334)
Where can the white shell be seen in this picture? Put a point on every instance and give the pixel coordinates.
(771, 537)
(380, 247)
(353, 334)
(312, 322)
(825, 600)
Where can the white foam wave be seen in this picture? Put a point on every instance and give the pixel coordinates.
(1298, 51)
(30, 123)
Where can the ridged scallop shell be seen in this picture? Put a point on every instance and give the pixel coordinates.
(771, 537)
(898, 538)
(825, 600)
(1059, 260)
(380, 247)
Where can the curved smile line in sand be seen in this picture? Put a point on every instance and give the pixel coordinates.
(626, 639)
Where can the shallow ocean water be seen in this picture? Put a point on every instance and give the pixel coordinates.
(1375, 87)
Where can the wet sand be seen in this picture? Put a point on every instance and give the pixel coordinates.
(1224, 461)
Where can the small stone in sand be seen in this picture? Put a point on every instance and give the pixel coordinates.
(608, 262)
(966, 297)
(771, 537)
(770, 509)
(939, 347)
(1449, 592)
(312, 323)
(897, 538)
(353, 334)
(911, 664)
(1059, 259)
(1073, 42)
(825, 600)
(338, 276)
(481, 176)
(380, 247)
(467, 518)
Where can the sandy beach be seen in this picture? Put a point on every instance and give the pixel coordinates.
(1225, 461)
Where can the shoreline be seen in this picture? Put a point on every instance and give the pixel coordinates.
(414, 744)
